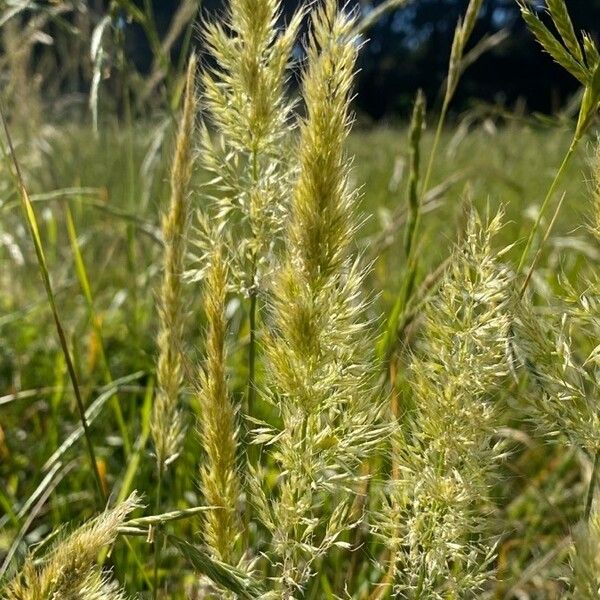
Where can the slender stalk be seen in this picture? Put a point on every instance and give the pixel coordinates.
(436, 142)
(131, 183)
(550, 193)
(43, 268)
(252, 316)
(252, 355)
(589, 501)
(377, 13)
(157, 509)
(539, 250)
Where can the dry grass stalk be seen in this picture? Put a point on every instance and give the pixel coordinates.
(167, 422)
(218, 429)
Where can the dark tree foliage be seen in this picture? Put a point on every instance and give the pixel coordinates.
(410, 48)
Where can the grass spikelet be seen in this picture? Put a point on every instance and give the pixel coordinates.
(318, 372)
(167, 423)
(463, 32)
(552, 46)
(70, 569)
(218, 428)
(416, 129)
(564, 25)
(592, 56)
(445, 451)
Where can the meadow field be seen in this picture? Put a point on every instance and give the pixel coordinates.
(276, 357)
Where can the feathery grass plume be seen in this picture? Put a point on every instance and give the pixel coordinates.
(69, 570)
(433, 523)
(318, 372)
(218, 430)
(167, 423)
(246, 104)
(586, 560)
(562, 400)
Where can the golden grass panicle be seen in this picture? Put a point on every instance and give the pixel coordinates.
(167, 422)
(70, 569)
(318, 368)
(250, 114)
(218, 429)
(322, 216)
(445, 448)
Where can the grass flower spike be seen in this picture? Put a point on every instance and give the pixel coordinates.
(218, 429)
(317, 363)
(247, 106)
(167, 422)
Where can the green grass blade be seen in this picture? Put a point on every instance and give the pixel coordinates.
(224, 575)
(92, 412)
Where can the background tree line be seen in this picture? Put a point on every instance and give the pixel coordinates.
(407, 49)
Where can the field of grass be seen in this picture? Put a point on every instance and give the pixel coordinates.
(274, 359)
(115, 199)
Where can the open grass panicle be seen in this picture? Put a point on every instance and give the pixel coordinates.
(69, 570)
(167, 424)
(217, 422)
(444, 445)
(560, 401)
(250, 115)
